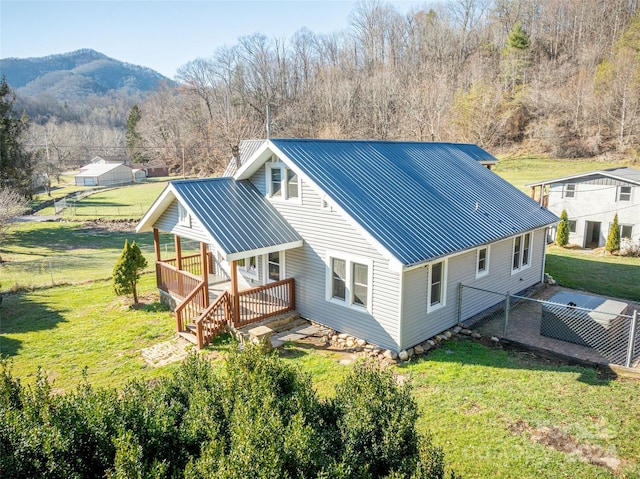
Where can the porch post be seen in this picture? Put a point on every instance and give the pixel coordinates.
(156, 244)
(156, 249)
(205, 272)
(178, 246)
(234, 292)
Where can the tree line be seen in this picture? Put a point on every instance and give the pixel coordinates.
(545, 76)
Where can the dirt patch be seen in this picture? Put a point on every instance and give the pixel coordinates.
(557, 439)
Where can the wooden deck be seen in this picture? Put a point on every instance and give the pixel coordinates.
(208, 308)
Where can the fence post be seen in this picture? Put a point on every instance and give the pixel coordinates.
(632, 338)
(507, 306)
(50, 271)
(459, 303)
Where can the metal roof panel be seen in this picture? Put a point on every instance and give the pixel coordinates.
(421, 201)
(235, 214)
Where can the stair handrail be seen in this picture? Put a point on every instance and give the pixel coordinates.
(216, 321)
(186, 303)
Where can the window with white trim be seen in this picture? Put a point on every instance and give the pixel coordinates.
(624, 193)
(572, 226)
(248, 265)
(521, 258)
(626, 231)
(569, 190)
(184, 218)
(282, 182)
(349, 281)
(482, 262)
(437, 292)
(274, 266)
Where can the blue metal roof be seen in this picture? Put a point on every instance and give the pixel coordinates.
(421, 201)
(235, 214)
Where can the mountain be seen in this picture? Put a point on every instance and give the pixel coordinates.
(77, 75)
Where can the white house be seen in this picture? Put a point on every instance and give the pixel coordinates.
(591, 200)
(106, 174)
(372, 237)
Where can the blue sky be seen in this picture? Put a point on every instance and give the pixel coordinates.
(162, 35)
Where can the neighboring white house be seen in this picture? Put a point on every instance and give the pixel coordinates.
(377, 234)
(106, 174)
(591, 200)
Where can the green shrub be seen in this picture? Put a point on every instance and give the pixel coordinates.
(562, 236)
(613, 239)
(257, 417)
(127, 270)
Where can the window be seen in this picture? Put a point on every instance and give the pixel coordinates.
(184, 218)
(360, 287)
(273, 266)
(437, 286)
(521, 252)
(248, 265)
(624, 193)
(569, 191)
(482, 262)
(625, 231)
(339, 278)
(292, 184)
(349, 281)
(282, 182)
(572, 226)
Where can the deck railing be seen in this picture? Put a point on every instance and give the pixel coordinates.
(193, 263)
(265, 301)
(191, 307)
(214, 320)
(172, 280)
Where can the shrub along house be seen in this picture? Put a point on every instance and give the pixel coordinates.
(370, 238)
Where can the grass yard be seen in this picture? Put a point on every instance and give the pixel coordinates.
(615, 276)
(68, 328)
(488, 408)
(129, 202)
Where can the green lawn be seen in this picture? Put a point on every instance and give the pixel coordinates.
(48, 253)
(130, 201)
(599, 273)
(68, 328)
(483, 405)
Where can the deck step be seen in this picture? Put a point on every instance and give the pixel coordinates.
(191, 327)
(188, 336)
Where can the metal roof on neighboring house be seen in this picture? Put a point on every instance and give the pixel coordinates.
(99, 169)
(247, 149)
(625, 174)
(235, 214)
(420, 201)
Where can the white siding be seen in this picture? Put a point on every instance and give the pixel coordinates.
(168, 223)
(417, 325)
(324, 230)
(596, 200)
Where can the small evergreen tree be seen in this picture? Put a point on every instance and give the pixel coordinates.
(562, 236)
(613, 240)
(128, 269)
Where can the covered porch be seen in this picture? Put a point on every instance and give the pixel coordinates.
(209, 299)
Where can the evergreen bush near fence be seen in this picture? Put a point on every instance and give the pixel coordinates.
(256, 417)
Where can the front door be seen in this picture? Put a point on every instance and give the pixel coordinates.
(593, 234)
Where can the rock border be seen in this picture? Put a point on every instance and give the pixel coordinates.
(348, 343)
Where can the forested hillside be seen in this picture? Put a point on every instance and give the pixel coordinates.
(544, 76)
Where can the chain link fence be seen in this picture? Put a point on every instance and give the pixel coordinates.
(572, 324)
(73, 268)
